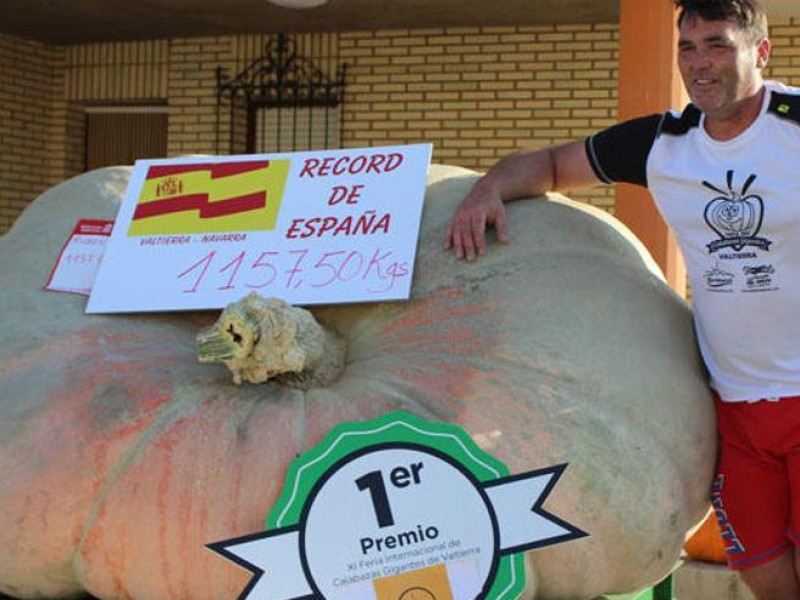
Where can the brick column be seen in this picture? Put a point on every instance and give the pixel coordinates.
(649, 82)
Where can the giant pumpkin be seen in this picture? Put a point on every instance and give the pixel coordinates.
(121, 455)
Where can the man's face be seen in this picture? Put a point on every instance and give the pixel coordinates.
(719, 65)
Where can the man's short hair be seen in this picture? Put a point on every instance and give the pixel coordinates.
(748, 14)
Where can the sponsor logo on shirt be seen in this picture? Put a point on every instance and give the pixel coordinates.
(718, 279)
(735, 216)
(758, 278)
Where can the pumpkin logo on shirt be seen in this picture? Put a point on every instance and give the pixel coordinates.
(735, 217)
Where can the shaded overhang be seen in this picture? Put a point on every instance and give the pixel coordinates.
(77, 21)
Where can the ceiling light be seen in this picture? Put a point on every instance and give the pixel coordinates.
(298, 3)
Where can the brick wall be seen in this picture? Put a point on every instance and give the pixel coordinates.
(192, 87)
(191, 93)
(31, 151)
(475, 93)
(479, 93)
(109, 74)
(784, 64)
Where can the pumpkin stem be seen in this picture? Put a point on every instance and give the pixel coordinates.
(260, 339)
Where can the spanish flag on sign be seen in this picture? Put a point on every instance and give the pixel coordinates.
(210, 197)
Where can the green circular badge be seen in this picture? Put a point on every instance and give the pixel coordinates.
(399, 507)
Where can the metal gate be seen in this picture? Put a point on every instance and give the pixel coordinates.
(280, 102)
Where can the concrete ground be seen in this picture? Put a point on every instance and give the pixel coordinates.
(698, 581)
(704, 581)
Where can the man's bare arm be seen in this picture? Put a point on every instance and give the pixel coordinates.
(520, 175)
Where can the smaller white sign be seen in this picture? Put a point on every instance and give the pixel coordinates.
(79, 260)
(317, 227)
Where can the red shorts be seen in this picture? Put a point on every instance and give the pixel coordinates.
(756, 491)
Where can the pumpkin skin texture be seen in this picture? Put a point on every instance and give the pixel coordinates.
(121, 456)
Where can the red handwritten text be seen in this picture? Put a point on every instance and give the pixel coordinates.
(342, 192)
(293, 269)
(346, 165)
(366, 224)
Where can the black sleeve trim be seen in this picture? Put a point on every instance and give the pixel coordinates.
(681, 124)
(785, 106)
(620, 152)
(598, 171)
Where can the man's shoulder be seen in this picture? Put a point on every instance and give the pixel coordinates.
(680, 123)
(784, 102)
(672, 122)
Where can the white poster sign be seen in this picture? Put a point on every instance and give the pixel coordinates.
(317, 227)
(79, 260)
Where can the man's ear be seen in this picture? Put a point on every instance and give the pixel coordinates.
(763, 49)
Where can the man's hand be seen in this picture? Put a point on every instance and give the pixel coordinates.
(466, 233)
(524, 174)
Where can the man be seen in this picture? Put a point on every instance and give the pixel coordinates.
(725, 174)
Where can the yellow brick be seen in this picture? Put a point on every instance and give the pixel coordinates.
(496, 86)
(513, 114)
(498, 67)
(430, 51)
(478, 95)
(557, 37)
(609, 65)
(362, 116)
(578, 27)
(594, 36)
(533, 104)
(594, 55)
(554, 113)
(407, 60)
(442, 114)
(513, 95)
(556, 56)
(578, 68)
(443, 40)
(571, 84)
(387, 125)
(463, 105)
(499, 49)
(576, 46)
(591, 94)
(427, 87)
(481, 39)
(589, 113)
(458, 143)
(478, 58)
(388, 87)
(478, 114)
(517, 37)
(572, 104)
(483, 76)
(582, 132)
(553, 75)
(502, 30)
(534, 123)
(357, 35)
(443, 77)
(391, 51)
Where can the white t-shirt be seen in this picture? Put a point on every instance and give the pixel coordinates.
(735, 209)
